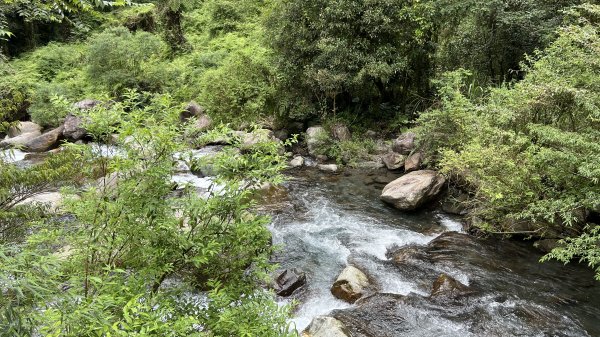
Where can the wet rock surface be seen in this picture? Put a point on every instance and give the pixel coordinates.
(324, 326)
(350, 285)
(289, 281)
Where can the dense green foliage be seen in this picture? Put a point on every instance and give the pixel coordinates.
(105, 273)
(504, 95)
(529, 152)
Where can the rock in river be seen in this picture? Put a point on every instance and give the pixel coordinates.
(44, 142)
(23, 128)
(288, 281)
(393, 161)
(412, 190)
(447, 286)
(350, 285)
(324, 326)
(331, 168)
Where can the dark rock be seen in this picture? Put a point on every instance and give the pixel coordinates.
(281, 134)
(193, 109)
(288, 281)
(455, 203)
(546, 245)
(446, 286)
(73, 128)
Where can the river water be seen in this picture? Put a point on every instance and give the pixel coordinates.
(326, 222)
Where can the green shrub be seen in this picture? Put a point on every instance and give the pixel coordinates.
(119, 59)
(241, 90)
(531, 152)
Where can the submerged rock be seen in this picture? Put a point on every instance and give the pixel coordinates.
(411, 191)
(325, 326)
(288, 281)
(350, 285)
(447, 286)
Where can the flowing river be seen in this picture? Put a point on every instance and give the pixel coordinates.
(326, 222)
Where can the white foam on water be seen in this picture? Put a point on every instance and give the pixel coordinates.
(317, 305)
(106, 150)
(451, 225)
(12, 155)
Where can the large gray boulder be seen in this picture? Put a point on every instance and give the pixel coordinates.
(316, 136)
(350, 285)
(393, 161)
(193, 109)
(404, 144)
(330, 168)
(22, 128)
(86, 104)
(412, 190)
(413, 162)
(325, 326)
(250, 139)
(53, 200)
(73, 128)
(341, 132)
(44, 142)
(203, 122)
(296, 162)
(20, 140)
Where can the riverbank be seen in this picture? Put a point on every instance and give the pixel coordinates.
(327, 222)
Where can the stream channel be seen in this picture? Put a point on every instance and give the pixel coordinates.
(325, 222)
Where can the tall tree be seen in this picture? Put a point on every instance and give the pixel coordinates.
(350, 53)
